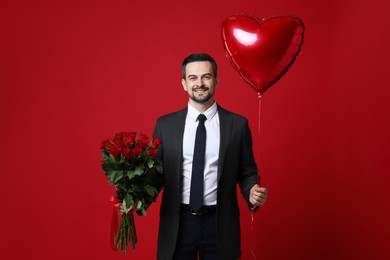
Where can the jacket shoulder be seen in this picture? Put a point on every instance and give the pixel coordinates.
(172, 116)
(234, 116)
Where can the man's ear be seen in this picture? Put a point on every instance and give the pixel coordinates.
(183, 82)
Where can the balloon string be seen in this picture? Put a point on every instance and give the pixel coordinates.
(258, 120)
(258, 154)
(252, 233)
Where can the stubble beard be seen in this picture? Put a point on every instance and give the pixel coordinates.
(200, 99)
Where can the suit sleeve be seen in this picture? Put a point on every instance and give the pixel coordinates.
(249, 172)
(153, 178)
(157, 179)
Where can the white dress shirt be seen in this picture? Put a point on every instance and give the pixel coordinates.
(211, 156)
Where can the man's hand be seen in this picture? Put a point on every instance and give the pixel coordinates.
(121, 210)
(258, 195)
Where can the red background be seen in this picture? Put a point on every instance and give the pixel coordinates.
(74, 72)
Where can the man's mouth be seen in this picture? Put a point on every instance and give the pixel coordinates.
(200, 90)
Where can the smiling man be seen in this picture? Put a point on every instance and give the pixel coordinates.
(206, 151)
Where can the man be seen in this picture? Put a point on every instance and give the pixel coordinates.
(213, 230)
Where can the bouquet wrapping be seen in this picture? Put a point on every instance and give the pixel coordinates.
(127, 158)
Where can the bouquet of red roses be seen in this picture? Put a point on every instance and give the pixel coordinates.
(126, 158)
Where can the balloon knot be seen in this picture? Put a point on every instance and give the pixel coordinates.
(259, 95)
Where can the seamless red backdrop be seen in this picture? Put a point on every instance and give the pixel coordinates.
(74, 72)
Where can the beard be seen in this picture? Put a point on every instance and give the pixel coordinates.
(200, 99)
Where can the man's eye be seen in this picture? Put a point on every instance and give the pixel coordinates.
(207, 77)
(192, 78)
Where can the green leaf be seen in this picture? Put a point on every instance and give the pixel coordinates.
(112, 158)
(109, 166)
(158, 168)
(150, 163)
(115, 176)
(139, 204)
(105, 155)
(121, 187)
(137, 171)
(122, 159)
(127, 203)
(130, 174)
(152, 191)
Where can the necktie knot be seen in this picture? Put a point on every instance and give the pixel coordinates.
(202, 118)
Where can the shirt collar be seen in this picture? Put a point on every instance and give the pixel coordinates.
(209, 113)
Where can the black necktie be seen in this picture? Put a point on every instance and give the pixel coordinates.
(196, 194)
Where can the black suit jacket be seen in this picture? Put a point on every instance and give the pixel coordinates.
(236, 165)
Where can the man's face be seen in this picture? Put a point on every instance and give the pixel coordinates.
(200, 82)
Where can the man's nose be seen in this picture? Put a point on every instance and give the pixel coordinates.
(199, 82)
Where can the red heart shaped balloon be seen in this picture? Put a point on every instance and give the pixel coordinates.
(262, 50)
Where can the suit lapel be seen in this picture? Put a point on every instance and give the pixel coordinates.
(178, 131)
(225, 126)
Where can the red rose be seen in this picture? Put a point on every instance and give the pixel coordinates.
(114, 150)
(152, 151)
(117, 143)
(130, 138)
(156, 142)
(126, 152)
(106, 145)
(118, 136)
(142, 141)
(136, 151)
